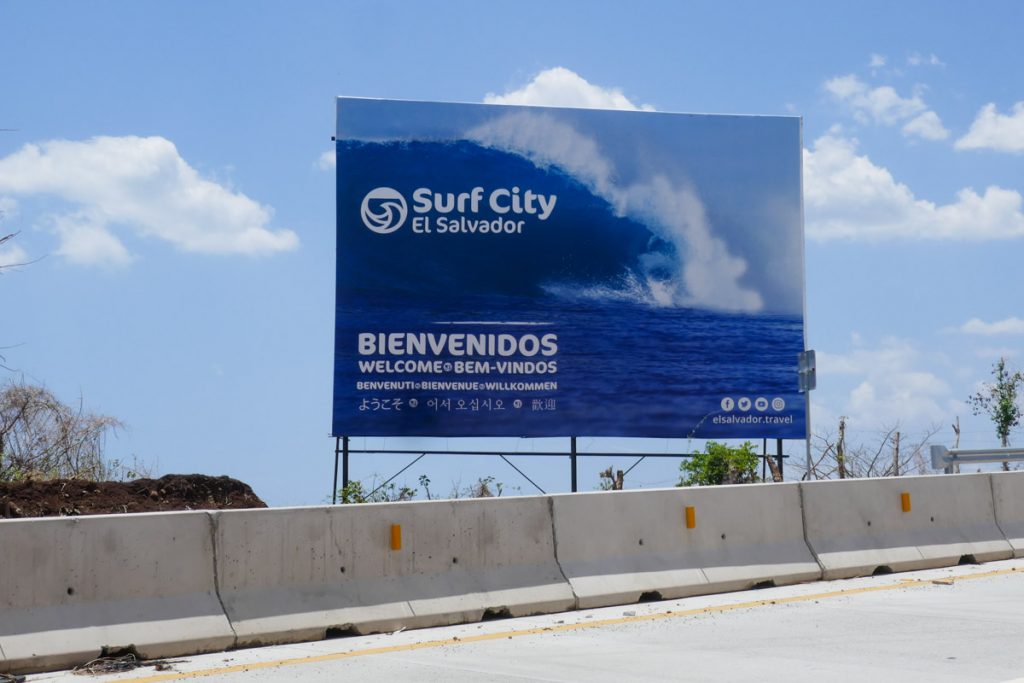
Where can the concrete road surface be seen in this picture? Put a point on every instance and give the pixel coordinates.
(959, 624)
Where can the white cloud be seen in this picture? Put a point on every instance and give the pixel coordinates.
(880, 105)
(992, 130)
(989, 352)
(141, 186)
(561, 87)
(85, 240)
(917, 59)
(883, 105)
(847, 196)
(1011, 325)
(8, 209)
(927, 126)
(12, 255)
(327, 161)
(877, 61)
(881, 386)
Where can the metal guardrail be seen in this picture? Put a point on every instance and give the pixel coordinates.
(944, 458)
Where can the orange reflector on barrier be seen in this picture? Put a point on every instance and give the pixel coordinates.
(691, 517)
(905, 501)
(396, 536)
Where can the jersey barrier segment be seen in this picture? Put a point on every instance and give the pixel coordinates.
(174, 584)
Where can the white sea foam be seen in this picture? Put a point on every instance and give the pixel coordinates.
(704, 273)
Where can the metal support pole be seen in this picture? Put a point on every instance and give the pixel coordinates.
(764, 459)
(344, 462)
(334, 488)
(778, 454)
(807, 435)
(572, 459)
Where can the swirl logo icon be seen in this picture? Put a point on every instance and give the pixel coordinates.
(383, 210)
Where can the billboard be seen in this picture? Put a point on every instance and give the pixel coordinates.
(533, 271)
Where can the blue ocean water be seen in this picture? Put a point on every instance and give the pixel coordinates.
(631, 361)
(623, 369)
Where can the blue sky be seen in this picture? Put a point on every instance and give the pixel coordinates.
(166, 165)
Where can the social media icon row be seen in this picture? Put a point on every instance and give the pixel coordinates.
(760, 404)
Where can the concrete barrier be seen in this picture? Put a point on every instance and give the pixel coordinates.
(70, 587)
(299, 574)
(858, 527)
(621, 547)
(1008, 493)
(171, 584)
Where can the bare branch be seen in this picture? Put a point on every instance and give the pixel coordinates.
(874, 459)
(41, 437)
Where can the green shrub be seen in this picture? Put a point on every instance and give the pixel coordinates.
(720, 464)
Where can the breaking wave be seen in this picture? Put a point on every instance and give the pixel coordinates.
(648, 243)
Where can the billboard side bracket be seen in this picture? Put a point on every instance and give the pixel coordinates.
(523, 475)
(778, 457)
(395, 475)
(344, 462)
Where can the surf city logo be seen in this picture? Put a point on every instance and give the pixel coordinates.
(384, 210)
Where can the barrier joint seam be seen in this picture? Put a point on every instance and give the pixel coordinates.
(995, 514)
(214, 527)
(803, 528)
(554, 547)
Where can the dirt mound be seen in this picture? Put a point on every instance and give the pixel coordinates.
(70, 497)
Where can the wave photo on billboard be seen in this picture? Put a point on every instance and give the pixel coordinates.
(536, 271)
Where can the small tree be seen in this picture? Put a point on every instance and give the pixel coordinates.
(425, 483)
(998, 400)
(611, 480)
(44, 438)
(391, 492)
(485, 487)
(720, 464)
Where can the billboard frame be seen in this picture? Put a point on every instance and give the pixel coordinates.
(343, 451)
(343, 448)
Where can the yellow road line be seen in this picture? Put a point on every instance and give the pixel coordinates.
(557, 628)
